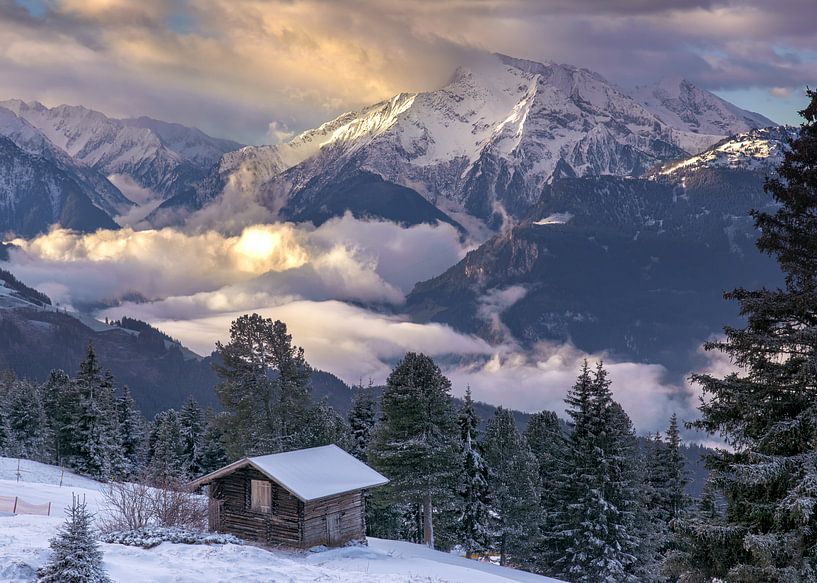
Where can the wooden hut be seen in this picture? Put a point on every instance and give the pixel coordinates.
(298, 498)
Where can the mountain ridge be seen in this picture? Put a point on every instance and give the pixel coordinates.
(493, 137)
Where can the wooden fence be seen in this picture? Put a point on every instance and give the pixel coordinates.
(16, 505)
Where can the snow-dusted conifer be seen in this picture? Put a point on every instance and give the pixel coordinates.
(95, 442)
(600, 487)
(214, 454)
(514, 487)
(548, 443)
(415, 443)
(166, 449)
(75, 553)
(131, 433)
(264, 388)
(474, 523)
(767, 410)
(191, 419)
(362, 418)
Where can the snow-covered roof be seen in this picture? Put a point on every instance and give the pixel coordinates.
(309, 474)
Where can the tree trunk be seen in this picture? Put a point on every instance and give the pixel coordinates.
(502, 550)
(428, 524)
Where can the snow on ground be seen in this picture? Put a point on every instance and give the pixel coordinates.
(24, 544)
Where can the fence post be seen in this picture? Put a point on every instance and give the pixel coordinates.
(49, 508)
(15, 506)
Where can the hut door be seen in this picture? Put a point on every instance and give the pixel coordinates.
(333, 528)
(214, 514)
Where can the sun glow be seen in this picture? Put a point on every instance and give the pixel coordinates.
(258, 248)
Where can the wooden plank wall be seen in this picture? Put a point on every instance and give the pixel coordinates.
(291, 522)
(282, 526)
(352, 519)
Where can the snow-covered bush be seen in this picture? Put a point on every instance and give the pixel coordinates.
(152, 536)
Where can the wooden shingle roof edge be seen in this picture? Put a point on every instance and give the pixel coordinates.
(308, 474)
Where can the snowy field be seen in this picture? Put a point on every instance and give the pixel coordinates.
(24, 547)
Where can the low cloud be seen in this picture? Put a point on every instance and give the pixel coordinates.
(343, 259)
(317, 280)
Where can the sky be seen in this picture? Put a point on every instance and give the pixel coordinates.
(259, 70)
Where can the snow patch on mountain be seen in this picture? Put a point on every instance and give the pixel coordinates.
(759, 150)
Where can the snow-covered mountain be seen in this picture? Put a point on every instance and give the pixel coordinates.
(484, 144)
(757, 150)
(163, 157)
(41, 185)
(701, 117)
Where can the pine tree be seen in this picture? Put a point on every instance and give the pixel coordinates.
(75, 554)
(323, 426)
(167, 461)
(415, 444)
(767, 411)
(474, 523)
(131, 433)
(95, 448)
(677, 475)
(26, 424)
(264, 387)
(191, 419)
(61, 402)
(549, 445)
(599, 520)
(214, 454)
(514, 486)
(362, 418)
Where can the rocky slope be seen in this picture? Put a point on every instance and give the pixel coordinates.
(635, 267)
(701, 115)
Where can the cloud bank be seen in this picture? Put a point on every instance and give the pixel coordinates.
(318, 280)
(258, 70)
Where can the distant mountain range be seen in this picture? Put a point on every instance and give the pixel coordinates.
(483, 147)
(487, 143)
(80, 169)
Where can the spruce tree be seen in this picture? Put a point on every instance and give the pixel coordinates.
(677, 475)
(214, 454)
(95, 448)
(514, 485)
(26, 423)
(61, 403)
(323, 426)
(167, 461)
(474, 522)
(598, 523)
(549, 445)
(75, 554)
(415, 443)
(767, 410)
(264, 388)
(131, 433)
(191, 419)
(362, 418)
